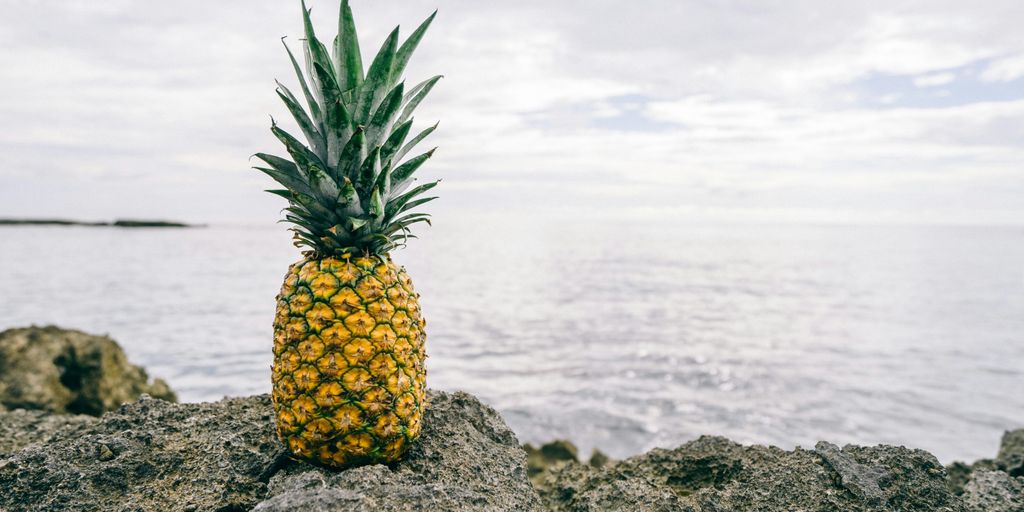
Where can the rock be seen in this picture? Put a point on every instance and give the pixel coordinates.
(466, 459)
(1011, 453)
(860, 479)
(156, 455)
(598, 459)
(994, 491)
(67, 371)
(150, 455)
(959, 473)
(1010, 460)
(549, 455)
(715, 474)
(20, 427)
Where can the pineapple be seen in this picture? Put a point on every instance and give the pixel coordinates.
(349, 382)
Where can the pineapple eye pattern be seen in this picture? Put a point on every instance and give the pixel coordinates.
(352, 387)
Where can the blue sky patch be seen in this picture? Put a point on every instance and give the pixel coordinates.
(885, 90)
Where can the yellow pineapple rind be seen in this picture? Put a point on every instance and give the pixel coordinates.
(349, 381)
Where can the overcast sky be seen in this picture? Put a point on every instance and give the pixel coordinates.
(888, 111)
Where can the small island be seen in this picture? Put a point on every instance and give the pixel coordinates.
(118, 223)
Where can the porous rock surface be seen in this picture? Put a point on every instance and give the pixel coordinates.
(713, 474)
(149, 455)
(221, 456)
(1011, 453)
(994, 491)
(992, 485)
(68, 371)
(21, 427)
(554, 454)
(466, 459)
(154, 455)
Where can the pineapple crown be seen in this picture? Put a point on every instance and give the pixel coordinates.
(349, 191)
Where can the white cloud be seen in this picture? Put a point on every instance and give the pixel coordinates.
(934, 80)
(1004, 70)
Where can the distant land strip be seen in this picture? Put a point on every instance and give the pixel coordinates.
(119, 223)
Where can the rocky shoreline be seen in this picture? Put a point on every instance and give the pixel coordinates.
(119, 223)
(67, 443)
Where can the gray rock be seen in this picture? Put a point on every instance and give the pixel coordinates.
(994, 491)
(1010, 460)
(155, 455)
(20, 427)
(67, 371)
(715, 474)
(599, 459)
(1011, 453)
(466, 459)
(150, 455)
(549, 455)
(861, 480)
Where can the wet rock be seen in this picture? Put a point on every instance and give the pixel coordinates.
(994, 491)
(150, 455)
(1010, 459)
(20, 427)
(715, 474)
(598, 459)
(1011, 453)
(862, 480)
(549, 455)
(466, 459)
(959, 473)
(67, 371)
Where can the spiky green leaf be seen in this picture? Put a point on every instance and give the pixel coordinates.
(353, 155)
(381, 122)
(340, 182)
(403, 172)
(316, 48)
(394, 206)
(288, 181)
(409, 46)
(323, 185)
(376, 85)
(314, 108)
(416, 96)
(413, 204)
(394, 142)
(316, 140)
(368, 172)
(412, 143)
(337, 119)
(348, 60)
(301, 155)
(281, 164)
(376, 209)
(349, 200)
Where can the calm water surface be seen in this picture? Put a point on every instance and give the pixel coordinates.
(622, 336)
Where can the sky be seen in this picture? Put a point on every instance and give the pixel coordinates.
(686, 110)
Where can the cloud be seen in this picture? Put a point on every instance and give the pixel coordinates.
(724, 107)
(1004, 70)
(934, 80)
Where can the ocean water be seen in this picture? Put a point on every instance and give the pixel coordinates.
(622, 336)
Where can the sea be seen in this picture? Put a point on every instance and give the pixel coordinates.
(617, 335)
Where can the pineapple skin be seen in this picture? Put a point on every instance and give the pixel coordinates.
(349, 379)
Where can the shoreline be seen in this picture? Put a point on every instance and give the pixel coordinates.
(81, 428)
(117, 223)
